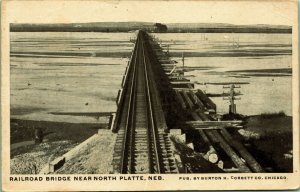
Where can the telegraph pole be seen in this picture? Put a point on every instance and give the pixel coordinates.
(168, 49)
(232, 97)
(182, 61)
(182, 71)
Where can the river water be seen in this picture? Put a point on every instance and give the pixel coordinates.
(82, 72)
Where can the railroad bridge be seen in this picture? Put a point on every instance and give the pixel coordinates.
(155, 99)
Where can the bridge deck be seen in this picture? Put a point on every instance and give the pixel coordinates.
(142, 145)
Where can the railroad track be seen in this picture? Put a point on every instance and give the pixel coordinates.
(141, 146)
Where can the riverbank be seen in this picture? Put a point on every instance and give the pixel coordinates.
(260, 134)
(58, 138)
(23, 130)
(269, 138)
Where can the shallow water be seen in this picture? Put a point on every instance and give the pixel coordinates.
(65, 81)
(264, 93)
(82, 72)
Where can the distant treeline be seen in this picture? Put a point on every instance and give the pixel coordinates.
(90, 27)
(54, 28)
(149, 27)
(229, 30)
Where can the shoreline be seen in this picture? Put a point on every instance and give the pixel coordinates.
(58, 138)
(277, 130)
(23, 130)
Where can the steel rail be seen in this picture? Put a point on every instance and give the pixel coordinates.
(128, 147)
(124, 147)
(153, 128)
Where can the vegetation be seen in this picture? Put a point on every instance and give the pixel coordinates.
(272, 115)
(84, 27)
(269, 138)
(59, 138)
(23, 130)
(31, 159)
(236, 116)
(160, 27)
(151, 27)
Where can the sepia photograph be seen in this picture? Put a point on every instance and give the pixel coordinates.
(127, 90)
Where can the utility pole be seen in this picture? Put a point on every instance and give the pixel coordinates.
(182, 61)
(168, 49)
(232, 97)
(181, 73)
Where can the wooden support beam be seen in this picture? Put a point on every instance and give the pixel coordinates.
(168, 68)
(207, 128)
(252, 163)
(183, 89)
(180, 82)
(213, 127)
(206, 100)
(216, 137)
(188, 100)
(208, 122)
(212, 151)
(196, 116)
(214, 123)
(203, 116)
(168, 64)
(180, 99)
(197, 100)
(167, 61)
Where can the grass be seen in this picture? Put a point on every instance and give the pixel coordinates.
(59, 138)
(23, 130)
(274, 139)
(269, 124)
(272, 115)
(31, 159)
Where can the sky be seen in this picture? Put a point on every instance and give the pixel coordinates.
(234, 12)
